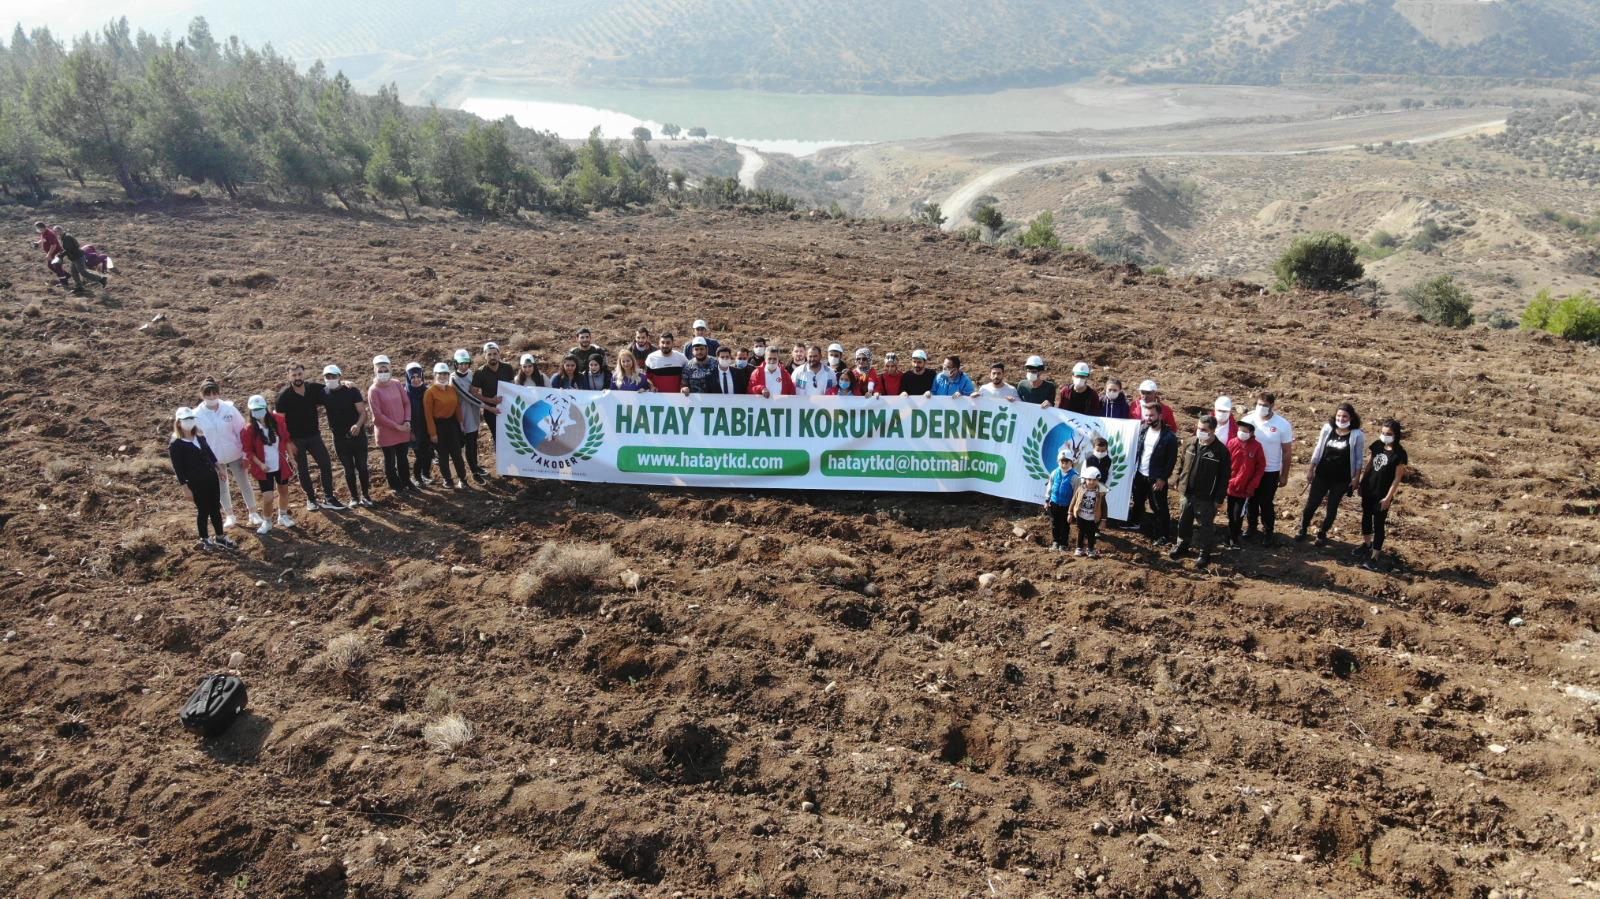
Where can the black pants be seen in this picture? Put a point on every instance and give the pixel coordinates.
(488, 425)
(470, 442)
(1263, 506)
(1236, 506)
(317, 450)
(1088, 529)
(207, 505)
(449, 449)
(423, 448)
(1150, 510)
(352, 452)
(1374, 520)
(1196, 517)
(1331, 490)
(394, 468)
(1060, 525)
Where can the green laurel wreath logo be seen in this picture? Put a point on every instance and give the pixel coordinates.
(1032, 449)
(1119, 462)
(514, 433)
(597, 434)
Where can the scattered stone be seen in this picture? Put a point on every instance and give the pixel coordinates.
(1019, 531)
(261, 585)
(236, 660)
(871, 590)
(10, 635)
(459, 569)
(987, 579)
(1516, 622)
(808, 806)
(1154, 840)
(832, 687)
(631, 579)
(1497, 749)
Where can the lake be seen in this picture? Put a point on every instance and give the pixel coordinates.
(802, 124)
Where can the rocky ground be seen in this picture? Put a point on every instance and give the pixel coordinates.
(734, 693)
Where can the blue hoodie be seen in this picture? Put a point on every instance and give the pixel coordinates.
(944, 385)
(1062, 485)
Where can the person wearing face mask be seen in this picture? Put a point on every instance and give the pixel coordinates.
(1113, 402)
(815, 378)
(347, 421)
(197, 471)
(758, 352)
(1276, 437)
(919, 380)
(844, 381)
(472, 408)
(1078, 396)
(700, 375)
(391, 421)
(1335, 469)
(996, 387)
(528, 373)
(1249, 465)
(442, 407)
(863, 377)
(1034, 388)
(771, 379)
(1386, 467)
(628, 376)
(952, 381)
(486, 383)
(421, 444)
(744, 366)
(835, 355)
(665, 367)
(1155, 451)
(298, 404)
(1222, 411)
(267, 445)
(222, 424)
(1150, 395)
(1204, 470)
(727, 379)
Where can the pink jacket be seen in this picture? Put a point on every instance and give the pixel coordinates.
(391, 412)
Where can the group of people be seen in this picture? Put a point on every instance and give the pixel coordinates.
(70, 261)
(1231, 463)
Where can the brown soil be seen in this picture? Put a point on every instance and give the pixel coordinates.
(797, 693)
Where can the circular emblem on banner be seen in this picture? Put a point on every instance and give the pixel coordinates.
(1044, 446)
(554, 431)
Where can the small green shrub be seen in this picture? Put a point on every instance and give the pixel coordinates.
(1324, 260)
(1576, 317)
(1441, 301)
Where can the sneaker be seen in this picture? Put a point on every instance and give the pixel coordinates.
(1162, 542)
(254, 519)
(1178, 552)
(1233, 543)
(228, 521)
(1093, 554)
(480, 473)
(460, 485)
(311, 505)
(333, 505)
(424, 482)
(266, 527)
(365, 501)
(205, 545)
(284, 521)
(227, 543)
(1371, 564)
(1359, 550)
(1322, 540)
(1055, 547)
(1077, 551)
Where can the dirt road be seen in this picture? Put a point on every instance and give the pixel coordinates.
(750, 164)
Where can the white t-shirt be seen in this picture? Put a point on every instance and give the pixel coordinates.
(223, 428)
(813, 383)
(1225, 428)
(1275, 434)
(1003, 392)
(269, 454)
(1152, 437)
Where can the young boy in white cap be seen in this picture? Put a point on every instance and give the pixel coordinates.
(1088, 510)
(1059, 494)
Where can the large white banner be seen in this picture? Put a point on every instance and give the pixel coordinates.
(923, 444)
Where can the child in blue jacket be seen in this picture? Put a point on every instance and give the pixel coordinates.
(1058, 500)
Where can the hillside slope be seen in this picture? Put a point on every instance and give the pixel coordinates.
(748, 716)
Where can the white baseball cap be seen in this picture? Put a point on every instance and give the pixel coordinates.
(1081, 370)
(380, 359)
(699, 341)
(836, 348)
(183, 413)
(441, 368)
(491, 345)
(331, 369)
(1034, 362)
(463, 356)
(920, 354)
(1148, 386)
(257, 402)
(700, 323)
(1091, 474)
(413, 366)
(1064, 454)
(1224, 403)
(527, 359)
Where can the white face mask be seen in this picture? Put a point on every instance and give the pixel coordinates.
(1112, 393)
(331, 382)
(1080, 383)
(383, 376)
(724, 363)
(1263, 412)
(258, 413)
(1386, 438)
(1204, 436)
(1342, 422)
(441, 379)
(772, 365)
(1246, 436)
(213, 403)
(1033, 377)
(1221, 414)
(186, 426)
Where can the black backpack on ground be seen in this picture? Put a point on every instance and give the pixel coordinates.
(214, 705)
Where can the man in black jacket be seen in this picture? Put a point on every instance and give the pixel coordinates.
(71, 249)
(1204, 467)
(1155, 451)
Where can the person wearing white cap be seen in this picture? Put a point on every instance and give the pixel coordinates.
(1276, 436)
(835, 356)
(486, 383)
(587, 347)
(222, 424)
(1222, 411)
(815, 378)
(919, 380)
(1088, 510)
(1150, 395)
(266, 452)
(1059, 491)
(298, 404)
(472, 410)
(1078, 396)
(996, 387)
(391, 422)
(528, 373)
(197, 471)
(441, 406)
(1034, 388)
(702, 331)
(700, 375)
(864, 380)
(348, 419)
(421, 444)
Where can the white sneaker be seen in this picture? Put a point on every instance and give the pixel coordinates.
(284, 521)
(254, 519)
(311, 505)
(266, 527)
(228, 521)
(1077, 551)
(426, 482)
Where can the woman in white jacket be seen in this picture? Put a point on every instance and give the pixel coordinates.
(222, 424)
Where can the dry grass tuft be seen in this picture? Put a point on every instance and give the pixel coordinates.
(133, 469)
(438, 700)
(58, 470)
(346, 653)
(520, 342)
(449, 733)
(330, 571)
(814, 556)
(141, 544)
(418, 576)
(565, 568)
(65, 348)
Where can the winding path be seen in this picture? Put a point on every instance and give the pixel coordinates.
(750, 164)
(955, 206)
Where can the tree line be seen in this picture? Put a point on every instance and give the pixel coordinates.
(152, 113)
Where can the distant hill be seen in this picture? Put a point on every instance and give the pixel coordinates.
(918, 45)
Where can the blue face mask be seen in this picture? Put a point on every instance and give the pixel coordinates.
(258, 413)
(844, 385)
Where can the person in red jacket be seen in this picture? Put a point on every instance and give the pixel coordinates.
(771, 378)
(54, 258)
(1249, 464)
(269, 455)
(1150, 395)
(889, 379)
(864, 380)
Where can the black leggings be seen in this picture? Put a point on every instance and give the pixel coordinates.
(450, 449)
(352, 453)
(423, 448)
(470, 442)
(207, 505)
(318, 450)
(1263, 506)
(1330, 489)
(1236, 507)
(394, 468)
(1374, 520)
